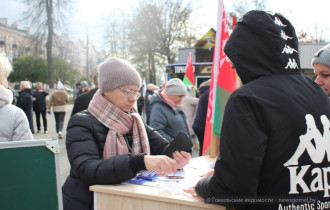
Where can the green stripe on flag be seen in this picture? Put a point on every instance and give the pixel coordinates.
(219, 109)
(186, 81)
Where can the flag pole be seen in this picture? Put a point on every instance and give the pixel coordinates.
(214, 150)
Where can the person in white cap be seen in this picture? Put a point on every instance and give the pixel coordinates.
(321, 64)
(58, 101)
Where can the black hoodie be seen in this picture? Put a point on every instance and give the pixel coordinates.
(275, 138)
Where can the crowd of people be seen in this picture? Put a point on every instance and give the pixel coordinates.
(116, 129)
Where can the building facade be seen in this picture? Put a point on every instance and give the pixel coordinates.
(202, 58)
(15, 43)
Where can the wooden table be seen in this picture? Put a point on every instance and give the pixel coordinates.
(135, 197)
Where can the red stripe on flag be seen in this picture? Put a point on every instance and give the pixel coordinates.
(222, 76)
(189, 74)
(234, 22)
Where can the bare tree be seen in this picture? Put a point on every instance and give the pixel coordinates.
(259, 4)
(156, 31)
(175, 29)
(144, 38)
(116, 35)
(240, 7)
(45, 17)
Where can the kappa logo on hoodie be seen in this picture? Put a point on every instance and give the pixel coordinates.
(317, 154)
(292, 64)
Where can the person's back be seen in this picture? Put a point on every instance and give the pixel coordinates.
(25, 102)
(200, 117)
(275, 131)
(148, 96)
(76, 91)
(14, 125)
(82, 101)
(189, 108)
(285, 113)
(59, 98)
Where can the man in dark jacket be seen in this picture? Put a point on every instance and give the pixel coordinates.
(149, 93)
(82, 101)
(140, 101)
(200, 117)
(77, 90)
(39, 106)
(275, 133)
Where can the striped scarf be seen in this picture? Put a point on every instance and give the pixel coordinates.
(119, 124)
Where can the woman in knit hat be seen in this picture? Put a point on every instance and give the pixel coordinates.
(58, 101)
(108, 143)
(321, 64)
(167, 116)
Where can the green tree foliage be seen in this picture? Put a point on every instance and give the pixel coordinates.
(64, 72)
(29, 68)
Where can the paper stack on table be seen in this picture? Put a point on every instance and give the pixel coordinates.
(175, 182)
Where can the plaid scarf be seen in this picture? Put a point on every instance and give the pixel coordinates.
(119, 124)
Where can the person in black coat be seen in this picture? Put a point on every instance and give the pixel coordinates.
(148, 96)
(140, 101)
(82, 101)
(274, 140)
(108, 143)
(39, 106)
(25, 102)
(200, 116)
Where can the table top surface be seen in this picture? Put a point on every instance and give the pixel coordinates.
(193, 170)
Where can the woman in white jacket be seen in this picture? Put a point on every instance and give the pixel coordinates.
(14, 125)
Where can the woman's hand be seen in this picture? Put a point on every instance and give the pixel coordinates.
(182, 158)
(162, 164)
(209, 173)
(192, 191)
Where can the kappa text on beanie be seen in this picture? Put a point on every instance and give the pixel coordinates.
(322, 56)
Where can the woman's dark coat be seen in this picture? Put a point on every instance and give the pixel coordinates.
(84, 143)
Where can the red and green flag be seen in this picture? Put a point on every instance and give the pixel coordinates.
(223, 82)
(189, 77)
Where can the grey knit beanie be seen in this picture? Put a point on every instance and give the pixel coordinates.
(175, 87)
(115, 73)
(84, 84)
(322, 56)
